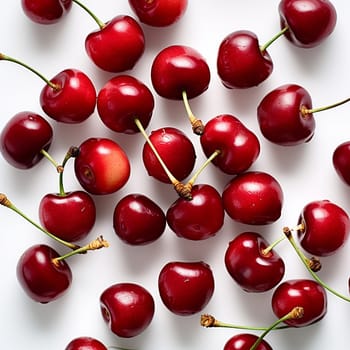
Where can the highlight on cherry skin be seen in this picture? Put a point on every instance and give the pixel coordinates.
(245, 341)
(85, 343)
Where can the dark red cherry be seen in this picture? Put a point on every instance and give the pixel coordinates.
(41, 278)
(159, 13)
(117, 46)
(127, 309)
(177, 69)
(186, 287)
(85, 343)
(245, 341)
(240, 61)
(324, 229)
(253, 198)
(239, 147)
(176, 151)
(304, 293)
(121, 100)
(310, 22)
(138, 220)
(296, 126)
(46, 11)
(70, 217)
(341, 161)
(254, 267)
(198, 218)
(23, 138)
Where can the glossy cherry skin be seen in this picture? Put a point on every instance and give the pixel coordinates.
(102, 166)
(176, 151)
(253, 198)
(159, 13)
(326, 227)
(281, 118)
(121, 100)
(138, 220)
(253, 269)
(85, 343)
(240, 62)
(310, 22)
(186, 287)
(199, 218)
(244, 341)
(46, 11)
(341, 161)
(179, 68)
(300, 292)
(239, 147)
(118, 46)
(73, 101)
(127, 309)
(23, 138)
(41, 279)
(70, 217)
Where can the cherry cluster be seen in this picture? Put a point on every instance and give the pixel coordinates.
(102, 167)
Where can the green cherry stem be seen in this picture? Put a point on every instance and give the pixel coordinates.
(306, 111)
(71, 153)
(288, 232)
(268, 249)
(7, 203)
(58, 167)
(95, 18)
(197, 124)
(273, 39)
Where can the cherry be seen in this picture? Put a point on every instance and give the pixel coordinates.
(239, 147)
(46, 11)
(341, 160)
(253, 198)
(138, 220)
(309, 22)
(102, 166)
(127, 308)
(253, 263)
(121, 100)
(199, 218)
(244, 341)
(323, 227)
(159, 13)
(186, 287)
(308, 294)
(24, 138)
(85, 343)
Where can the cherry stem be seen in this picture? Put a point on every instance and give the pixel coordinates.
(58, 167)
(7, 203)
(297, 312)
(305, 111)
(71, 153)
(288, 232)
(273, 39)
(210, 321)
(197, 124)
(267, 250)
(14, 60)
(96, 19)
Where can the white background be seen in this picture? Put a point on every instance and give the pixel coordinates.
(305, 173)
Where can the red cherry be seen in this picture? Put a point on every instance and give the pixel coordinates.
(70, 217)
(325, 227)
(239, 147)
(127, 308)
(23, 138)
(73, 101)
(102, 166)
(175, 149)
(41, 278)
(85, 343)
(253, 198)
(121, 100)
(117, 45)
(310, 22)
(240, 61)
(138, 220)
(186, 287)
(253, 267)
(244, 341)
(199, 218)
(341, 161)
(46, 11)
(159, 13)
(177, 69)
(304, 293)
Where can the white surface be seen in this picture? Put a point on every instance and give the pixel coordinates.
(305, 173)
